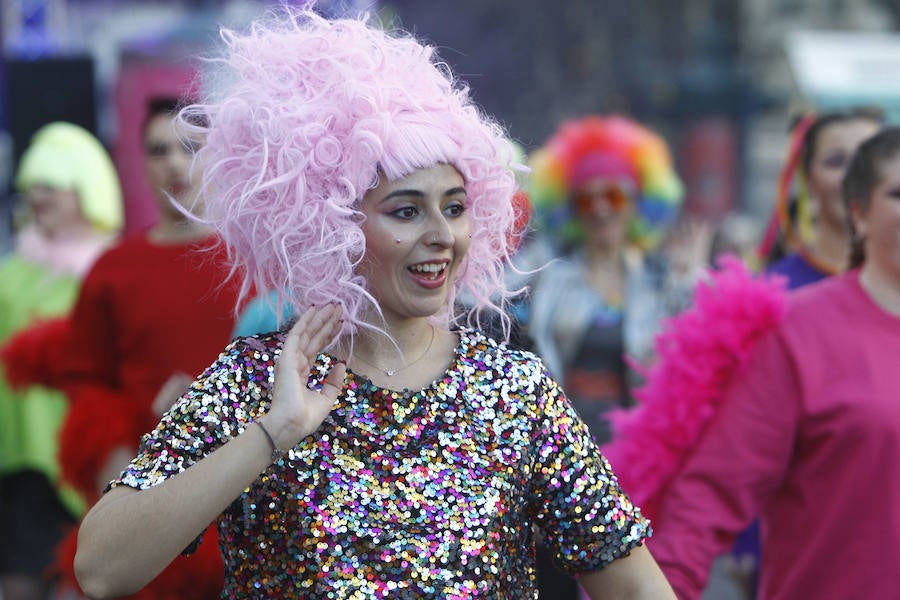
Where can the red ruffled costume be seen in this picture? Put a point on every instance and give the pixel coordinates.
(145, 312)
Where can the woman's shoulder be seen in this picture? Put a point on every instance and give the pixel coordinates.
(493, 370)
(123, 260)
(248, 354)
(238, 381)
(478, 348)
(14, 266)
(822, 301)
(258, 343)
(33, 285)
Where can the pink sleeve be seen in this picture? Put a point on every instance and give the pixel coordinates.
(738, 464)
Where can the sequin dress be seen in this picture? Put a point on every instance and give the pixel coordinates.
(415, 494)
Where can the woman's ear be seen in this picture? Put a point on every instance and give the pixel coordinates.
(859, 217)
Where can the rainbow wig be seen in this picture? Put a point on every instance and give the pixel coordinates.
(68, 157)
(780, 223)
(613, 147)
(310, 114)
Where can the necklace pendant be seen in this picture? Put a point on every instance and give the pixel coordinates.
(390, 373)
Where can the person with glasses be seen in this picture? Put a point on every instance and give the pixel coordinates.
(604, 190)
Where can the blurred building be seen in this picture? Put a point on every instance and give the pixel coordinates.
(95, 63)
(673, 64)
(767, 27)
(713, 76)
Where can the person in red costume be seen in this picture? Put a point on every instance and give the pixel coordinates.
(152, 313)
(808, 434)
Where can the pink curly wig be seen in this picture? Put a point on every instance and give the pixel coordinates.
(311, 113)
(608, 142)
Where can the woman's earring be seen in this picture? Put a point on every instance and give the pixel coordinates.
(397, 240)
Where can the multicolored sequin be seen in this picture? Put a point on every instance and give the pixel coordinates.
(435, 493)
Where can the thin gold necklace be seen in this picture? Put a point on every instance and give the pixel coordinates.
(392, 372)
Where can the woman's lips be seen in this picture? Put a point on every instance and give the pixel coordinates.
(429, 275)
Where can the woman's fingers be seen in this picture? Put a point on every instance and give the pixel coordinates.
(321, 330)
(310, 334)
(298, 409)
(334, 383)
(290, 351)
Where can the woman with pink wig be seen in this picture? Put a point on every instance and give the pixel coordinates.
(383, 446)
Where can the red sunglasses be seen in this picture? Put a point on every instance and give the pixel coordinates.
(618, 198)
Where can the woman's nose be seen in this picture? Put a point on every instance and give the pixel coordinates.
(441, 234)
(179, 159)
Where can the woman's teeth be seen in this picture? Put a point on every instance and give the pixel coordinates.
(430, 270)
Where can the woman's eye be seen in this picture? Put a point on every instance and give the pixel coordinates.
(406, 212)
(455, 209)
(157, 150)
(838, 161)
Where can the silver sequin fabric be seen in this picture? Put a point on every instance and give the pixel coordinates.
(432, 493)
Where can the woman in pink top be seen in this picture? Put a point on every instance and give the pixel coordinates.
(808, 437)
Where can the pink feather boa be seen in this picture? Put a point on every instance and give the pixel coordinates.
(698, 354)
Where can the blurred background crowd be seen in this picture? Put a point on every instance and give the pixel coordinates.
(689, 112)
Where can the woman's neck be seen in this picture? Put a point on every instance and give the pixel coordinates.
(883, 287)
(421, 354)
(603, 256)
(397, 341)
(831, 248)
(605, 274)
(70, 253)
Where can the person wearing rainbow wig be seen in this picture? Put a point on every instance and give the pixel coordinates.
(604, 190)
(612, 156)
(73, 211)
(381, 446)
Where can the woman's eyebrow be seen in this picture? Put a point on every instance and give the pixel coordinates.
(420, 193)
(397, 193)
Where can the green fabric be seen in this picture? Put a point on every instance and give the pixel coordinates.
(30, 420)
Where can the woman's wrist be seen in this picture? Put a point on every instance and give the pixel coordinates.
(277, 452)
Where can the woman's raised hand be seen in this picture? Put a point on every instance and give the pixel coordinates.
(296, 410)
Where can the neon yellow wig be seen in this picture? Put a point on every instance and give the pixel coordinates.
(67, 157)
